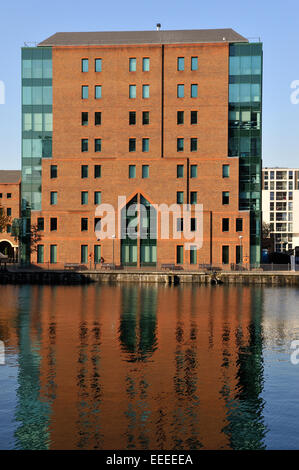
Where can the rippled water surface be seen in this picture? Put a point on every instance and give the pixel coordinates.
(148, 367)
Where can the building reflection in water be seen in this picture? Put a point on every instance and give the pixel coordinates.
(139, 367)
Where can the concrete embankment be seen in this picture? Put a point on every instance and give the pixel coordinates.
(169, 277)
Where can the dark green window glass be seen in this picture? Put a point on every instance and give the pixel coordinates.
(193, 144)
(84, 65)
(180, 117)
(97, 171)
(180, 91)
(84, 198)
(225, 197)
(97, 118)
(193, 224)
(179, 254)
(145, 117)
(193, 117)
(181, 63)
(84, 171)
(180, 225)
(8, 212)
(239, 225)
(53, 171)
(193, 197)
(225, 171)
(40, 253)
(132, 118)
(40, 224)
(84, 119)
(98, 65)
(97, 145)
(145, 145)
(145, 171)
(84, 92)
(84, 224)
(84, 145)
(225, 225)
(180, 197)
(225, 254)
(84, 253)
(194, 90)
(193, 255)
(180, 171)
(194, 63)
(53, 253)
(193, 171)
(97, 253)
(180, 144)
(132, 171)
(53, 224)
(132, 145)
(97, 197)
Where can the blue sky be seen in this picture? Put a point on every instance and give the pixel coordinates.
(275, 22)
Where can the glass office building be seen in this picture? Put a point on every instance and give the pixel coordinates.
(245, 132)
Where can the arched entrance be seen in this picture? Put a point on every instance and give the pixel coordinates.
(7, 249)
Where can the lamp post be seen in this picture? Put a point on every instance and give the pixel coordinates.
(241, 250)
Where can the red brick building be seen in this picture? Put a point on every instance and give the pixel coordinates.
(10, 191)
(142, 115)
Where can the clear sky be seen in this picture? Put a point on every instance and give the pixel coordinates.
(276, 22)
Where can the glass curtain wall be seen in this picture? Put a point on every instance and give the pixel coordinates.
(245, 132)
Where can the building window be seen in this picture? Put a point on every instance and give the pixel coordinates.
(225, 225)
(193, 255)
(193, 117)
(193, 171)
(194, 90)
(40, 224)
(180, 144)
(145, 117)
(180, 225)
(225, 197)
(53, 224)
(53, 198)
(225, 171)
(132, 64)
(145, 91)
(193, 144)
(145, 145)
(98, 92)
(194, 63)
(97, 118)
(145, 171)
(84, 119)
(181, 64)
(8, 228)
(84, 171)
(180, 171)
(97, 253)
(98, 65)
(180, 117)
(132, 91)
(193, 224)
(53, 254)
(180, 91)
(84, 145)
(239, 225)
(97, 171)
(132, 145)
(146, 64)
(84, 224)
(225, 254)
(84, 253)
(84, 198)
(84, 92)
(179, 254)
(193, 197)
(180, 197)
(40, 253)
(97, 145)
(97, 197)
(132, 118)
(8, 195)
(132, 171)
(84, 65)
(53, 171)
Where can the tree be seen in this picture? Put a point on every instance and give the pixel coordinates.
(33, 236)
(266, 231)
(5, 220)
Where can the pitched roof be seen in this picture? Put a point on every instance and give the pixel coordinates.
(10, 176)
(99, 38)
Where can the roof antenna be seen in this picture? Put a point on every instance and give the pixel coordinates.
(158, 25)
